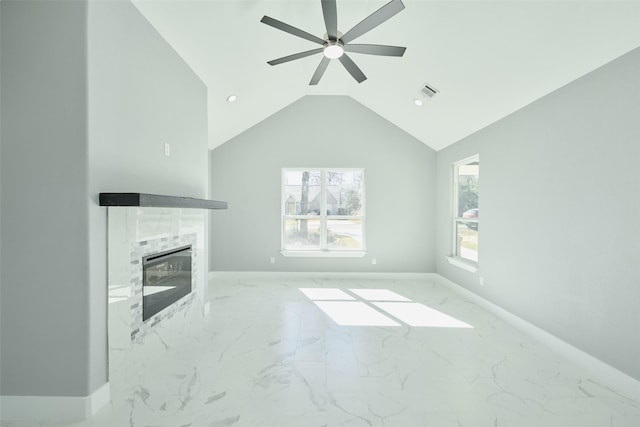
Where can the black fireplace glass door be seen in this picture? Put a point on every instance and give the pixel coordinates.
(166, 277)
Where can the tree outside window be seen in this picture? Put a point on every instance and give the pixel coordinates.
(323, 210)
(466, 210)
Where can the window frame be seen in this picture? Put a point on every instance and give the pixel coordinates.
(324, 251)
(456, 259)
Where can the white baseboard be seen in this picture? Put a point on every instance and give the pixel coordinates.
(54, 408)
(316, 274)
(601, 371)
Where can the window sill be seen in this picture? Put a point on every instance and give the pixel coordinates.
(323, 254)
(463, 264)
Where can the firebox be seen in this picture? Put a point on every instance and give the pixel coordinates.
(166, 277)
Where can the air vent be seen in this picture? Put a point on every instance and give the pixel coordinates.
(428, 91)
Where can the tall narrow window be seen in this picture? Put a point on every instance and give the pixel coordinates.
(322, 211)
(466, 180)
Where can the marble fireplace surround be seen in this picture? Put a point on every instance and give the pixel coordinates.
(140, 328)
(135, 232)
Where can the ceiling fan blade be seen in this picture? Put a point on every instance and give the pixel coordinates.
(330, 12)
(319, 71)
(375, 49)
(373, 20)
(352, 68)
(290, 29)
(294, 56)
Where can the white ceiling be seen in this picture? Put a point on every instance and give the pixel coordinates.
(487, 59)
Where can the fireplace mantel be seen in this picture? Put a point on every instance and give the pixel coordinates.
(158, 201)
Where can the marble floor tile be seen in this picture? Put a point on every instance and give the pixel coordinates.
(267, 355)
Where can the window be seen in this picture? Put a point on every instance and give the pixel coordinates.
(466, 179)
(323, 212)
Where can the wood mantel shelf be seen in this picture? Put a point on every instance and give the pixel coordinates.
(158, 201)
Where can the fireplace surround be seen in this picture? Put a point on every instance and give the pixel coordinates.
(138, 231)
(141, 325)
(139, 234)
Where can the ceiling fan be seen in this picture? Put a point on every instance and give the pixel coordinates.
(335, 44)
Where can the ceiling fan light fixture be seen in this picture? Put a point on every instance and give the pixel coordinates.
(333, 49)
(333, 43)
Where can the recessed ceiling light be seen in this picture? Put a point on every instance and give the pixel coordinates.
(231, 98)
(418, 102)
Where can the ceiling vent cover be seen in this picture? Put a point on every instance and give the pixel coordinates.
(428, 91)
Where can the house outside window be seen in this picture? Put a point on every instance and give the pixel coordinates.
(466, 221)
(323, 212)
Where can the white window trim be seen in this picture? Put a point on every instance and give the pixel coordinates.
(324, 252)
(463, 263)
(454, 259)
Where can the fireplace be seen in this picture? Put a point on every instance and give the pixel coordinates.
(166, 278)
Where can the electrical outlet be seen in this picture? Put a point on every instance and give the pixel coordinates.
(272, 260)
(374, 261)
(167, 149)
(481, 281)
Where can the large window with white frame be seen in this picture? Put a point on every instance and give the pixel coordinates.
(323, 212)
(466, 212)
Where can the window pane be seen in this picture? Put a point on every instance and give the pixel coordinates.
(468, 180)
(344, 234)
(302, 193)
(467, 240)
(344, 192)
(302, 234)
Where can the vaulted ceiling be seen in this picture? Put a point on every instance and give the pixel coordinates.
(487, 59)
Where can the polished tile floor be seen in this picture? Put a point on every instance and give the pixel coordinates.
(351, 352)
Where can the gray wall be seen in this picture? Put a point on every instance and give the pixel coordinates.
(44, 188)
(0, 192)
(559, 201)
(90, 94)
(324, 131)
(141, 95)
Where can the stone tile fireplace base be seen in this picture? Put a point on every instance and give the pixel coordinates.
(150, 247)
(136, 232)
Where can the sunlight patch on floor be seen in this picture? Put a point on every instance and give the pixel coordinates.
(378, 307)
(326, 294)
(416, 314)
(354, 313)
(378, 295)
